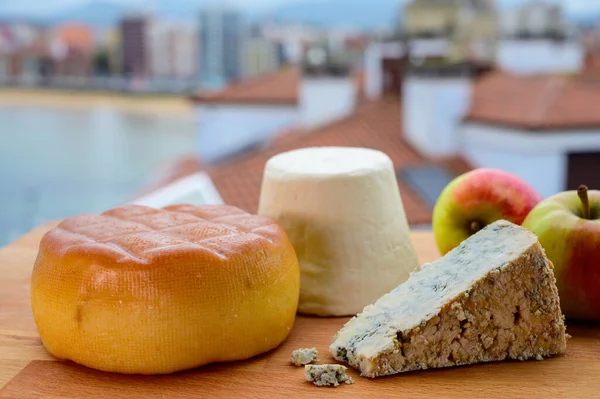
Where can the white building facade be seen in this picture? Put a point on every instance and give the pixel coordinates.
(542, 158)
(533, 56)
(173, 50)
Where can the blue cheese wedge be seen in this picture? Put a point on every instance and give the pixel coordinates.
(494, 297)
(327, 374)
(303, 356)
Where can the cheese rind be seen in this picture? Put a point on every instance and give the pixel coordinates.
(491, 298)
(342, 210)
(327, 374)
(139, 290)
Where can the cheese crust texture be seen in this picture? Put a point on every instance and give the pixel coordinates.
(139, 290)
(494, 297)
(342, 210)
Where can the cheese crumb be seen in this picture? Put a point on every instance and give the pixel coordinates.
(327, 374)
(303, 356)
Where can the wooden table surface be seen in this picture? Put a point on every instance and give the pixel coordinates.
(27, 370)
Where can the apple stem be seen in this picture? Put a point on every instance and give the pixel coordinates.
(582, 192)
(475, 227)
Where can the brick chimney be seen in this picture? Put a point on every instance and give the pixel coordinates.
(384, 68)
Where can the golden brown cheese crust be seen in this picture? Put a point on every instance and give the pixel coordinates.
(136, 235)
(143, 290)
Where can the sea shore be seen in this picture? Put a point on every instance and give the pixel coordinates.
(170, 105)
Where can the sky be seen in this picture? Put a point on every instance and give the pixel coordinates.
(18, 6)
(26, 6)
(32, 7)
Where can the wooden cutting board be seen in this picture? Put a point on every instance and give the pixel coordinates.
(26, 369)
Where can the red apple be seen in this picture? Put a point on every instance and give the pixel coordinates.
(568, 227)
(478, 198)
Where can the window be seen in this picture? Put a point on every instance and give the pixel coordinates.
(427, 180)
(583, 169)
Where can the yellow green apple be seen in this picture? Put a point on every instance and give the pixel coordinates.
(478, 198)
(568, 227)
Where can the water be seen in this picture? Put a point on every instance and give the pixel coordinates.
(56, 163)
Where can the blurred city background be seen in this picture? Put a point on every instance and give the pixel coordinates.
(104, 102)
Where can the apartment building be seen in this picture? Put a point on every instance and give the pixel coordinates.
(537, 38)
(173, 50)
(135, 57)
(260, 56)
(74, 49)
(451, 31)
(220, 42)
(534, 19)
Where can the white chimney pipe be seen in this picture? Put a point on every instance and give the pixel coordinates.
(327, 89)
(325, 99)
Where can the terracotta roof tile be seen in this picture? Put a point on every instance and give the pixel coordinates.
(541, 102)
(280, 87)
(75, 35)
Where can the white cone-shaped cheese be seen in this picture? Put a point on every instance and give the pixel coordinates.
(341, 208)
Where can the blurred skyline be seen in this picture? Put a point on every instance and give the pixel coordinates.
(26, 5)
(289, 10)
(442, 90)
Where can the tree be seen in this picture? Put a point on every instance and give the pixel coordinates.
(101, 62)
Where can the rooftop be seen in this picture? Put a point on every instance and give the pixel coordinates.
(280, 87)
(543, 102)
(374, 125)
(277, 88)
